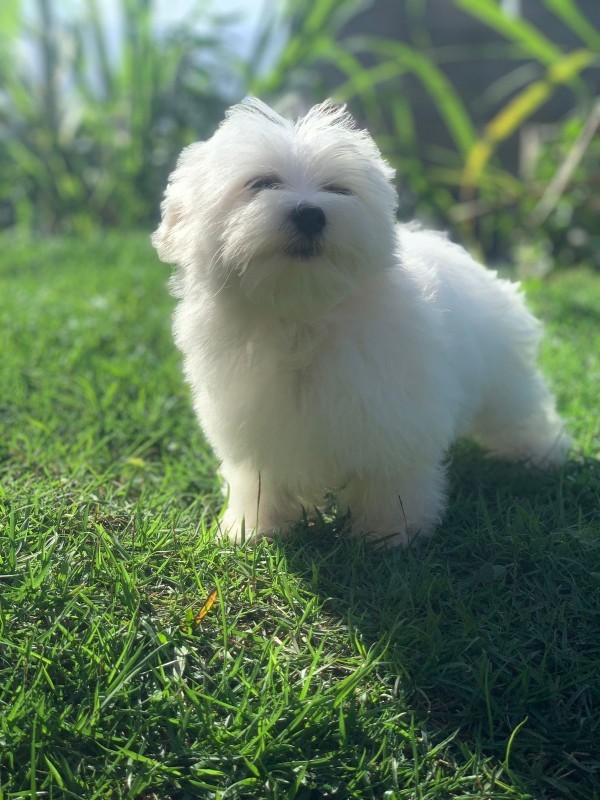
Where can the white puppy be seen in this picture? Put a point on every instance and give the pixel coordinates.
(329, 347)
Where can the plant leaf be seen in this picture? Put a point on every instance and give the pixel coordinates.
(572, 17)
(521, 108)
(517, 30)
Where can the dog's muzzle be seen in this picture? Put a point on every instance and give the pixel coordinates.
(308, 220)
(308, 223)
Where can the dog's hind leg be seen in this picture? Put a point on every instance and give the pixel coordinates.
(519, 421)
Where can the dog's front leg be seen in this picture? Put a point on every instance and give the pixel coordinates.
(394, 509)
(258, 506)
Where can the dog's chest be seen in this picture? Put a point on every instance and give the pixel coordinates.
(285, 406)
(286, 370)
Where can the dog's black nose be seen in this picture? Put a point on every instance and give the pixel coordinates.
(310, 220)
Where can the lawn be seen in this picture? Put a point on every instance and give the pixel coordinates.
(468, 667)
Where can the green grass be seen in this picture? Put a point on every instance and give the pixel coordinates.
(468, 667)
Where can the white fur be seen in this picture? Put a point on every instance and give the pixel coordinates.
(354, 368)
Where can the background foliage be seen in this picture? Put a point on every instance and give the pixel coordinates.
(467, 668)
(90, 127)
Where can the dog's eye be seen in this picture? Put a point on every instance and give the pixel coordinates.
(264, 182)
(335, 188)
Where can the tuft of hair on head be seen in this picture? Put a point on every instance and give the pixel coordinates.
(252, 106)
(327, 114)
(323, 115)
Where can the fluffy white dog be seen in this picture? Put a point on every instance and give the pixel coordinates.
(329, 347)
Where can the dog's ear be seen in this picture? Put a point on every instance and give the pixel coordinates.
(164, 238)
(172, 238)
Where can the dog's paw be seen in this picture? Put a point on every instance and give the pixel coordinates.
(236, 528)
(537, 454)
(394, 536)
(233, 526)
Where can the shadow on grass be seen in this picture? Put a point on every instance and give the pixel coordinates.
(493, 624)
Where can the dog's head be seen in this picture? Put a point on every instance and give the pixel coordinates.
(291, 215)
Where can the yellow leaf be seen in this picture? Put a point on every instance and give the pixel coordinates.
(136, 462)
(520, 108)
(208, 604)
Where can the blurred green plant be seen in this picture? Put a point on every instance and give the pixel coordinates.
(552, 221)
(468, 187)
(91, 138)
(91, 118)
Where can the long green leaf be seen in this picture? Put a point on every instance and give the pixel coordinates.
(572, 17)
(519, 109)
(101, 46)
(10, 19)
(438, 86)
(516, 30)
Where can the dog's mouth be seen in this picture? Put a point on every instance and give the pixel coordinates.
(305, 248)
